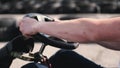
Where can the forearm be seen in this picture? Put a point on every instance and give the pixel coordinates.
(77, 30)
(109, 29)
(83, 29)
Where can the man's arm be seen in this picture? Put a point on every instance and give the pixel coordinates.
(109, 29)
(76, 30)
(84, 29)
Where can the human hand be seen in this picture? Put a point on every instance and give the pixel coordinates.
(28, 26)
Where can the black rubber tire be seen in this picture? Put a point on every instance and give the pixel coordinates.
(8, 29)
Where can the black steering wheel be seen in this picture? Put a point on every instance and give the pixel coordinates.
(49, 40)
(45, 40)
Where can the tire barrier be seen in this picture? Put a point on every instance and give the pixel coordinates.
(58, 6)
(8, 29)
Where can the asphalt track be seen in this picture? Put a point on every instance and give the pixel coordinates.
(94, 52)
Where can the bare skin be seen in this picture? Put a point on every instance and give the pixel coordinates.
(104, 31)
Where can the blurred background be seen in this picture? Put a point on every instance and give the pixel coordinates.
(11, 11)
(59, 6)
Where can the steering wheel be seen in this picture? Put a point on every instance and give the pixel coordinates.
(47, 39)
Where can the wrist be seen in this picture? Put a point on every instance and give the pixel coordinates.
(36, 27)
(42, 27)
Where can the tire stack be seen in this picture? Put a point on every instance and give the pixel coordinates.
(8, 29)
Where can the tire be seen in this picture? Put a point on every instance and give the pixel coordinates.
(8, 29)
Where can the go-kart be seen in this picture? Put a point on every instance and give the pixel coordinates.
(38, 59)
